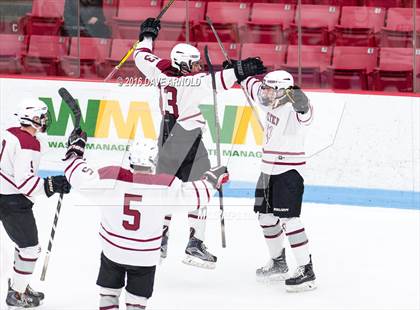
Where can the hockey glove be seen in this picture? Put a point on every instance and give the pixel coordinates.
(149, 28)
(56, 184)
(76, 144)
(217, 176)
(248, 67)
(229, 65)
(298, 99)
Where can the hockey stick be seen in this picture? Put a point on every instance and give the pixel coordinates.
(218, 154)
(131, 50)
(75, 109)
(254, 111)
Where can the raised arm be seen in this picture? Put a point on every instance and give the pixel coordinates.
(195, 195)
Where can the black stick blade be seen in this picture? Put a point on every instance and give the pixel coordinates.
(72, 104)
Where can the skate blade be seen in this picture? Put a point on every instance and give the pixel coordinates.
(196, 262)
(307, 286)
(20, 308)
(273, 278)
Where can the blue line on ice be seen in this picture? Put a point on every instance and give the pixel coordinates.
(366, 197)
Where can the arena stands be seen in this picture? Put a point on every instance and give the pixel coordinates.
(348, 44)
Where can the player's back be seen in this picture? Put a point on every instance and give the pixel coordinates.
(132, 215)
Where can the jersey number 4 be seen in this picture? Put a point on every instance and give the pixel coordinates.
(134, 224)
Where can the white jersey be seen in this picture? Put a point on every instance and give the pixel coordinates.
(181, 95)
(133, 207)
(284, 134)
(20, 154)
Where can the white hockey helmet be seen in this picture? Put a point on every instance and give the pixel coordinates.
(33, 112)
(143, 155)
(184, 56)
(273, 86)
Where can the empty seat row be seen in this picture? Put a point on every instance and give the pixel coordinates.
(346, 67)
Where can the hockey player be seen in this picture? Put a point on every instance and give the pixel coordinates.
(278, 196)
(181, 150)
(133, 210)
(20, 153)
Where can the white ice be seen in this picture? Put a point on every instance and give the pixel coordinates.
(364, 258)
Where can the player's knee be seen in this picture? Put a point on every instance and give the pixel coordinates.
(135, 302)
(267, 219)
(32, 252)
(109, 297)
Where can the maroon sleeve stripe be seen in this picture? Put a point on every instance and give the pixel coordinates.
(33, 187)
(144, 49)
(310, 117)
(247, 82)
(26, 181)
(207, 190)
(71, 173)
(198, 195)
(223, 80)
(69, 166)
(252, 89)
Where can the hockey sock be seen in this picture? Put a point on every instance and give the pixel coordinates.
(197, 220)
(298, 240)
(134, 302)
(273, 233)
(109, 298)
(24, 265)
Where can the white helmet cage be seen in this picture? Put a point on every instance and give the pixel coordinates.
(34, 112)
(184, 56)
(273, 86)
(143, 155)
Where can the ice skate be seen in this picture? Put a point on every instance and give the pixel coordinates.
(302, 280)
(275, 270)
(16, 300)
(32, 293)
(198, 256)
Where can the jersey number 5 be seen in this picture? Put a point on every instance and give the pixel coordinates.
(134, 224)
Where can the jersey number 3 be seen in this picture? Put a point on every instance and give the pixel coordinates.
(134, 224)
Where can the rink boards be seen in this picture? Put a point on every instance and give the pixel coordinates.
(362, 149)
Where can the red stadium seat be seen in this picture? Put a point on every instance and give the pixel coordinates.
(92, 51)
(130, 14)
(331, 2)
(43, 55)
(359, 25)
(395, 71)
(352, 67)
(316, 22)
(273, 56)
(163, 49)
(46, 17)
(313, 61)
(267, 22)
(399, 27)
(110, 8)
(119, 47)
(215, 53)
(384, 3)
(174, 21)
(227, 17)
(11, 48)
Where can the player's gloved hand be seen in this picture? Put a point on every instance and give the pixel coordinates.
(149, 28)
(76, 144)
(229, 65)
(248, 67)
(56, 184)
(217, 176)
(298, 99)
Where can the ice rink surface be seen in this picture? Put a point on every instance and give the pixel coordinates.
(364, 258)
